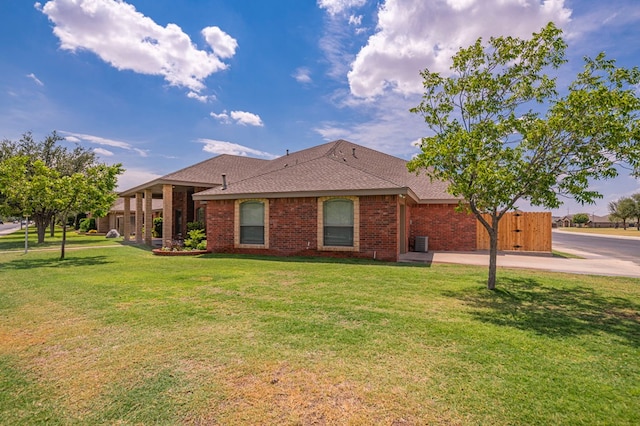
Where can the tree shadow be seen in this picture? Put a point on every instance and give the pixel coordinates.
(312, 259)
(70, 262)
(526, 304)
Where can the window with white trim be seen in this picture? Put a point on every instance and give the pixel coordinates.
(252, 223)
(338, 223)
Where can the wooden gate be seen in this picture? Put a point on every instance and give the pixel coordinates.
(519, 231)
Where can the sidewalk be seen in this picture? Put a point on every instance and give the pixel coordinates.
(591, 264)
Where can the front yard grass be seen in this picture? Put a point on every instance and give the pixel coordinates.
(15, 241)
(124, 337)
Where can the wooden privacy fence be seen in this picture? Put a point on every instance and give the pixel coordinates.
(519, 231)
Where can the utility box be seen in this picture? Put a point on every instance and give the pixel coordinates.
(422, 244)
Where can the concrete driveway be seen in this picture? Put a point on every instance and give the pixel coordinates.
(590, 263)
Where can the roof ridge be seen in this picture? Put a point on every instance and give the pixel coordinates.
(287, 164)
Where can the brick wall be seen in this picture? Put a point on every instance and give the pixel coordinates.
(293, 228)
(447, 229)
(379, 227)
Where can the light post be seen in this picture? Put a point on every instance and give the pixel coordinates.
(26, 234)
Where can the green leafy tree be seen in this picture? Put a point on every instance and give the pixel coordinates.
(623, 209)
(53, 156)
(636, 214)
(580, 218)
(502, 133)
(90, 190)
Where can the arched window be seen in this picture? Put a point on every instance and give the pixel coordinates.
(338, 222)
(252, 222)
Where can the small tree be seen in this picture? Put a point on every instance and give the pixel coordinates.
(623, 209)
(502, 133)
(636, 213)
(580, 218)
(92, 190)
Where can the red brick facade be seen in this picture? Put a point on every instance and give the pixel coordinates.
(293, 226)
(447, 229)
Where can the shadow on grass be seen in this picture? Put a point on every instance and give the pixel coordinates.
(69, 262)
(312, 259)
(525, 304)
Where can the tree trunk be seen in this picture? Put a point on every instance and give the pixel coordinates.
(52, 226)
(64, 239)
(493, 256)
(41, 227)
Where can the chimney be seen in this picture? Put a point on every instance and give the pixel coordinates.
(224, 181)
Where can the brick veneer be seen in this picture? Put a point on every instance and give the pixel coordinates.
(293, 228)
(447, 229)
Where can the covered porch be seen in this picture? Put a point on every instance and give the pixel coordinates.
(178, 208)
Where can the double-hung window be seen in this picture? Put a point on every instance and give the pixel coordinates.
(338, 223)
(251, 229)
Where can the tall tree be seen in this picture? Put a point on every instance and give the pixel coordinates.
(54, 157)
(502, 133)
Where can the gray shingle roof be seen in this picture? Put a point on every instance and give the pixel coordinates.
(333, 167)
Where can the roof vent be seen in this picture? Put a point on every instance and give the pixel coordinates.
(287, 152)
(224, 181)
(353, 152)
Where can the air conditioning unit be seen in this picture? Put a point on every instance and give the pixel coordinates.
(422, 244)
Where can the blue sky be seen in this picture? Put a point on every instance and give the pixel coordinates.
(158, 85)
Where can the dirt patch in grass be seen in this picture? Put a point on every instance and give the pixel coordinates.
(280, 393)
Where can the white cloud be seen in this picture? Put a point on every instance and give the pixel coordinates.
(33, 77)
(220, 147)
(223, 45)
(335, 7)
(128, 40)
(355, 20)
(103, 152)
(302, 75)
(246, 118)
(415, 34)
(131, 178)
(223, 117)
(240, 117)
(98, 140)
(201, 98)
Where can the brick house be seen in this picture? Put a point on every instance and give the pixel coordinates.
(336, 199)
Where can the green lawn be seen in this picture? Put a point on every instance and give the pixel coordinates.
(119, 336)
(15, 241)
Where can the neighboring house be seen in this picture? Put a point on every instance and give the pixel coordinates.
(115, 218)
(335, 199)
(594, 222)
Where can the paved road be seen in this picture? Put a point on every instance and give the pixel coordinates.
(622, 248)
(7, 228)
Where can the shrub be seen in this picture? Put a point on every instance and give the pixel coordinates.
(193, 226)
(202, 245)
(87, 224)
(157, 227)
(196, 237)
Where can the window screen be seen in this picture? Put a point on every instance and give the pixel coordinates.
(338, 223)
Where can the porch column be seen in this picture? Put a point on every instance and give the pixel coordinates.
(139, 214)
(167, 213)
(148, 216)
(126, 226)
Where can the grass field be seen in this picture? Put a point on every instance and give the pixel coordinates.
(119, 336)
